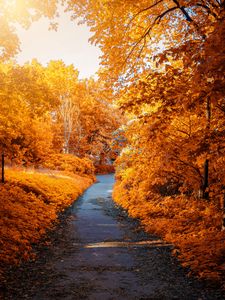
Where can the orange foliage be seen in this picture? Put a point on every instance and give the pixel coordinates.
(70, 163)
(165, 62)
(104, 169)
(174, 155)
(30, 203)
(193, 225)
(47, 110)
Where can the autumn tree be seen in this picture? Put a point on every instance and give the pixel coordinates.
(146, 40)
(164, 62)
(64, 84)
(47, 110)
(130, 33)
(25, 123)
(99, 119)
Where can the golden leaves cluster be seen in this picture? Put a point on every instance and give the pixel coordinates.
(30, 203)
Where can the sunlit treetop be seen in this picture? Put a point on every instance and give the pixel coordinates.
(22, 12)
(130, 33)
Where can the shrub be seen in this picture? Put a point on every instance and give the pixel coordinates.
(30, 203)
(70, 163)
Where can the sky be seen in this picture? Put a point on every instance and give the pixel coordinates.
(69, 43)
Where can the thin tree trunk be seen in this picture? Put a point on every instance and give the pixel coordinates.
(70, 113)
(223, 210)
(3, 168)
(205, 192)
(206, 180)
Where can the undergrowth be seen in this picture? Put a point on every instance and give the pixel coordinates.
(30, 203)
(192, 225)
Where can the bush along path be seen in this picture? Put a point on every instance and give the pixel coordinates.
(30, 203)
(97, 252)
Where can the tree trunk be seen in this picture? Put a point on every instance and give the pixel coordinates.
(206, 180)
(223, 210)
(70, 113)
(205, 186)
(3, 168)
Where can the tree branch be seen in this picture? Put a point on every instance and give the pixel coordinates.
(143, 10)
(147, 31)
(191, 166)
(221, 107)
(208, 9)
(164, 13)
(182, 8)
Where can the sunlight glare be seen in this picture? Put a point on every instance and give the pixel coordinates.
(117, 244)
(11, 2)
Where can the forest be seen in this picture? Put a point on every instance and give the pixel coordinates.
(157, 109)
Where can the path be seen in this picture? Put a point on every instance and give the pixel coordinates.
(101, 254)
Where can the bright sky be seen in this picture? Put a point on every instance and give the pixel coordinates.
(69, 43)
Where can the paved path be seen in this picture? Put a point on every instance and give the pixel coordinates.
(102, 254)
